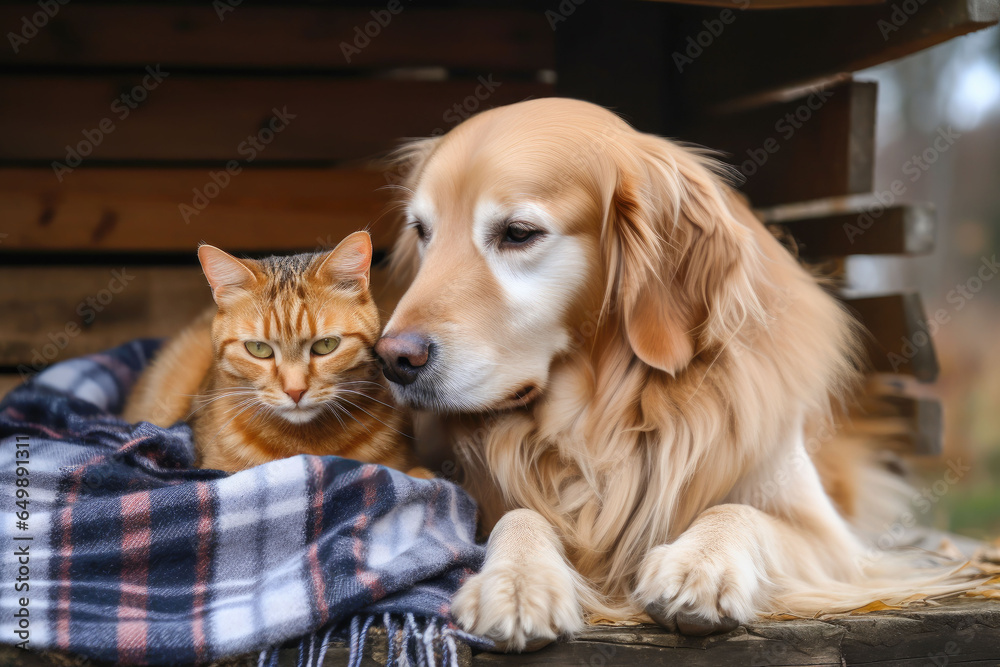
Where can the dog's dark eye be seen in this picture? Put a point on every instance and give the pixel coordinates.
(518, 233)
(420, 229)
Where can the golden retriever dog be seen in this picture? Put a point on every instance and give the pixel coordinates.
(628, 365)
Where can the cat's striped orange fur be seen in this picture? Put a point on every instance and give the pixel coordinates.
(282, 366)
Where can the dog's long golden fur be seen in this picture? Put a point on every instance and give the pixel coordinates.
(629, 391)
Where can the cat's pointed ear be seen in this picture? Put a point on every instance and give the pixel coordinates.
(224, 272)
(351, 260)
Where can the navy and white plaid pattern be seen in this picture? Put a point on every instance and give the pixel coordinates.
(137, 557)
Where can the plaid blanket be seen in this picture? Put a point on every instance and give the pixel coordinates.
(116, 549)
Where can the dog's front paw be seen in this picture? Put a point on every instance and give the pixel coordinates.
(521, 607)
(700, 591)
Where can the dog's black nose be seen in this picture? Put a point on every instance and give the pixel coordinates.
(403, 356)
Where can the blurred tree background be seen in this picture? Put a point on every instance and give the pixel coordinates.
(953, 88)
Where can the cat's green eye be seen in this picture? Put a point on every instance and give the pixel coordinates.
(259, 350)
(325, 346)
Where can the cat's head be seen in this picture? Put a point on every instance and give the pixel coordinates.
(295, 332)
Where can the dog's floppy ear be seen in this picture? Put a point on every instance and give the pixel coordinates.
(682, 268)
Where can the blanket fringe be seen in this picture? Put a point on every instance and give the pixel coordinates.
(410, 642)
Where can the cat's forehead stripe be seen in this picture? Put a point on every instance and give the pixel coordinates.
(299, 315)
(281, 320)
(312, 322)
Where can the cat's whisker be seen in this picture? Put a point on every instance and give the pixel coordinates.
(390, 208)
(394, 186)
(371, 398)
(241, 392)
(354, 382)
(335, 410)
(349, 414)
(258, 411)
(375, 418)
(358, 383)
(220, 390)
(250, 405)
(227, 394)
(237, 406)
(218, 398)
(334, 413)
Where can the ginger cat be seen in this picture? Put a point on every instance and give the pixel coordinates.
(282, 366)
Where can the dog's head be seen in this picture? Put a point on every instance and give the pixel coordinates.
(541, 227)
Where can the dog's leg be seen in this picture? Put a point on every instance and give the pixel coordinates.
(525, 596)
(736, 559)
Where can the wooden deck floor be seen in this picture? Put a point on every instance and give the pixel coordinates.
(962, 632)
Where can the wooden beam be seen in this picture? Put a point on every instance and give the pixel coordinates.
(765, 51)
(899, 341)
(886, 416)
(53, 313)
(818, 143)
(269, 38)
(836, 228)
(216, 119)
(921, 419)
(142, 210)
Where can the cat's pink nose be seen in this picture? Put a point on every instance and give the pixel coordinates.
(295, 394)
